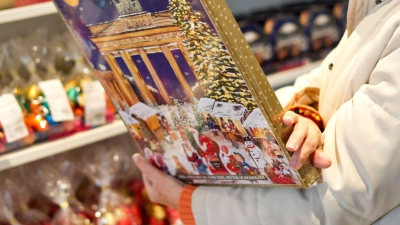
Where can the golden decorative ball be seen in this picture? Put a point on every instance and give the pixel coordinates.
(33, 92)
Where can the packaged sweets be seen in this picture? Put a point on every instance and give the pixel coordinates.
(340, 13)
(322, 31)
(289, 43)
(259, 43)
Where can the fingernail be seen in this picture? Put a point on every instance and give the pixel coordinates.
(287, 120)
(290, 147)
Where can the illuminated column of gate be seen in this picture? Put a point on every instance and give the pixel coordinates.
(178, 72)
(185, 53)
(154, 75)
(124, 87)
(144, 90)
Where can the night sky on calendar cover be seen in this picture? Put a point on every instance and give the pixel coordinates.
(98, 11)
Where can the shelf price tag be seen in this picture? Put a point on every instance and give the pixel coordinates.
(12, 119)
(57, 99)
(95, 103)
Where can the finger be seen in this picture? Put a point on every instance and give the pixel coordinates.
(151, 172)
(295, 159)
(297, 137)
(309, 146)
(320, 160)
(290, 118)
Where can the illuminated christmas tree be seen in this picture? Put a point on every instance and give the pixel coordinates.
(217, 71)
(183, 119)
(200, 123)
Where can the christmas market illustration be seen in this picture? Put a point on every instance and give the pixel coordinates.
(179, 92)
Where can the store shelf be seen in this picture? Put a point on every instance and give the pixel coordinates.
(281, 79)
(44, 150)
(27, 12)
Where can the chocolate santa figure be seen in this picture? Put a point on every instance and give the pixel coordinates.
(212, 156)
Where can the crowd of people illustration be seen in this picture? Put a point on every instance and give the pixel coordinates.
(212, 153)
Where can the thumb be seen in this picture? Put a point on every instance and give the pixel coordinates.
(150, 171)
(321, 160)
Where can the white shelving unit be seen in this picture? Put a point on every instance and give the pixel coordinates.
(13, 21)
(27, 12)
(74, 141)
(287, 77)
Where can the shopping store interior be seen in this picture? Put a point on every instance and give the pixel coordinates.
(71, 166)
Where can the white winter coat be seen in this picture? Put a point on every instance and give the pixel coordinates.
(360, 99)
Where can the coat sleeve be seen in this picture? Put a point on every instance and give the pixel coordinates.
(361, 186)
(305, 88)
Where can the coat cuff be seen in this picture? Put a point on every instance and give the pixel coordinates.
(185, 205)
(310, 113)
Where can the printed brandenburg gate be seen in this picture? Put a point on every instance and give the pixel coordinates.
(139, 33)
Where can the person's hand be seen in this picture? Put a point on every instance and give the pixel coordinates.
(161, 188)
(305, 141)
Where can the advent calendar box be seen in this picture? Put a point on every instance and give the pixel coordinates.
(188, 88)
